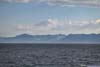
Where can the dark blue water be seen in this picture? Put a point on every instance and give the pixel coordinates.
(49, 55)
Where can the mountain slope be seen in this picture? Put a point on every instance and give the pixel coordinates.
(71, 38)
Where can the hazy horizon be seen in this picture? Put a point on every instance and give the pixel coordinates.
(26, 34)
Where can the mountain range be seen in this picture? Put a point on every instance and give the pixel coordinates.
(59, 38)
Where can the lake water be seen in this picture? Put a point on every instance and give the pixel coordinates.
(49, 55)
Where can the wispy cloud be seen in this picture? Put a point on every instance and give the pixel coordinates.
(55, 26)
(98, 21)
(23, 1)
(71, 3)
(15, 1)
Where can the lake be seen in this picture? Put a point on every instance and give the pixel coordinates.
(49, 55)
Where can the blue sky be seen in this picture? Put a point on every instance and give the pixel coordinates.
(49, 17)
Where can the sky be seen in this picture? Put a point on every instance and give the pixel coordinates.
(43, 17)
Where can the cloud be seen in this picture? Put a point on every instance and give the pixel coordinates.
(73, 3)
(24, 27)
(98, 21)
(23, 1)
(70, 3)
(53, 26)
(15, 1)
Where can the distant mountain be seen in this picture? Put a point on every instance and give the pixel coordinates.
(71, 38)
